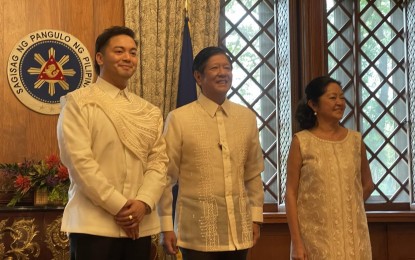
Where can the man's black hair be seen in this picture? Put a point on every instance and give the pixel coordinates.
(203, 56)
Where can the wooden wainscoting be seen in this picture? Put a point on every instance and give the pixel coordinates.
(392, 235)
(34, 233)
(273, 244)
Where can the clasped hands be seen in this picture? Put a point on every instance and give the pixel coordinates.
(129, 217)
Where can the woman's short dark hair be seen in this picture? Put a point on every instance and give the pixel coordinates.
(314, 90)
(104, 37)
(199, 63)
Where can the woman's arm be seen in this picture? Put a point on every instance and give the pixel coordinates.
(293, 176)
(367, 182)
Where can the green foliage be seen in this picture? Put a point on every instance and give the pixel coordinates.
(49, 174)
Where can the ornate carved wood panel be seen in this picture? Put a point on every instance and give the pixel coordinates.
(32, 233)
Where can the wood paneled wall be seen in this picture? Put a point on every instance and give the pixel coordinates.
(392, 238)
(23, 132)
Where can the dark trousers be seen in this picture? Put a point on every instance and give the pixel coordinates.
(90, 247)
(189, 254)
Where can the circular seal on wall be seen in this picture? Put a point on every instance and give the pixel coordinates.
(45, 65)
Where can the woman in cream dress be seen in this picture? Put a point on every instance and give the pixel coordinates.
(328, 180)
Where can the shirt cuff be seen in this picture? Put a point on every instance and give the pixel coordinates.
(257, 214)
(166, 223)
(147, 200)
(115, 203)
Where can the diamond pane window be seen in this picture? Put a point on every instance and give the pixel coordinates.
(248, 34)
(372, 35)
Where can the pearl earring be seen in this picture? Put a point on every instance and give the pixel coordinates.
(315, 113)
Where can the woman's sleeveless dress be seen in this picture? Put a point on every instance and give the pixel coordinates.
(330, 203)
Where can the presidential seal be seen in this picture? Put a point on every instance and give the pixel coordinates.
(45, 65)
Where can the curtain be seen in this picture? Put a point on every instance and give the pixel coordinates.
(159, 28)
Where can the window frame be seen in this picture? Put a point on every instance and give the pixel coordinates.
(309, 55)
(307, 60)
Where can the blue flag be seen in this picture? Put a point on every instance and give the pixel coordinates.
(187, 85)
